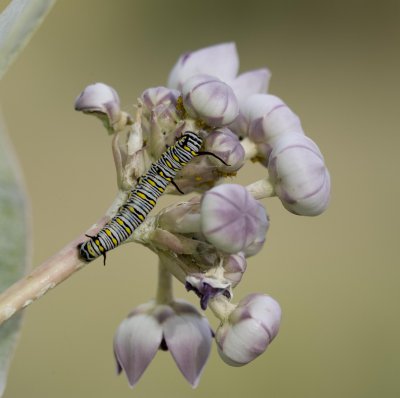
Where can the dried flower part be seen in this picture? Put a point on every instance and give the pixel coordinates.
(249, 330)
(267, 117)
(220, 60)
(101, 100)
(159, 119)
(299, 175)
(231, 219)
(155, 96)
(234, 266)
(182, 218)
(199, 175)
(226, 145)
(177, 327)
(209, 99)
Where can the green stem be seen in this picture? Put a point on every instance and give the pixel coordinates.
(164, 288)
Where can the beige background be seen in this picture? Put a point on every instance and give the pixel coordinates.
(336, 276)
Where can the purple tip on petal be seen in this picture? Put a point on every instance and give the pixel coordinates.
(185, 57)
(206, 292)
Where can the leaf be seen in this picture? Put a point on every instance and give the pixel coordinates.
(14, 243)
(18, 22)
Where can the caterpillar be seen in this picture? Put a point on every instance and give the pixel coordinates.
(143, 197)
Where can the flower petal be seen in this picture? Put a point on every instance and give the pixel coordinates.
(251, 82)
(135, 344)
(188, 336)
(220, 60)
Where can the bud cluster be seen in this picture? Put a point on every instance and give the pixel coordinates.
(205, 241)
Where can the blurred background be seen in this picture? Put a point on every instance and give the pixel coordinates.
(336, 64)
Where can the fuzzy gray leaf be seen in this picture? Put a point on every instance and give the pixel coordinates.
(18, 22)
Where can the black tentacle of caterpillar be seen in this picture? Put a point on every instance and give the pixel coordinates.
(143, 197)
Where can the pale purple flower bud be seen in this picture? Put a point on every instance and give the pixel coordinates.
(249, 83)
(220, 60)
(100, 99)
(159, 95)
(245, 85)
(268, 117)
(234, 266)
(249, 330)
(226, 145)
(299, 175)
(210, 99)
(177, 327)
(231, 219)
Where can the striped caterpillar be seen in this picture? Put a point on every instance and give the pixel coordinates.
(143, 197)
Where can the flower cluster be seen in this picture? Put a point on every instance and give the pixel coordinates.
(205, 241)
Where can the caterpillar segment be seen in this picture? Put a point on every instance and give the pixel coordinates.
(142, 198)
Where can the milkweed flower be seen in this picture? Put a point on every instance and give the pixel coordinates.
(206, 241)
(249, 329)
(177, 327)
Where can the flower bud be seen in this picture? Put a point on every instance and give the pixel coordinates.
(268, 117)
(298, 173)
(102, 100)
(250, 328)
(210, 99)
(226, 145)
(231, 219)
(220, 60)
(234, 266)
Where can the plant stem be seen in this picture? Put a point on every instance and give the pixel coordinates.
(261, 189)
(52, 272)
(44, 277)
(164, 288)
